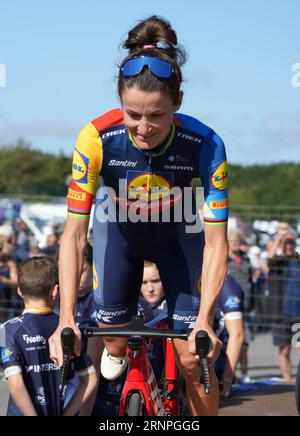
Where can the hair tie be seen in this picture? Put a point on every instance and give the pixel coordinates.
(149, 46)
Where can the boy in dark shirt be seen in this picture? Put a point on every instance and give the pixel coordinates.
(33, 379)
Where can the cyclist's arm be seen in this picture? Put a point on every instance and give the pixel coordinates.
(71, 256)
(213, 271)
(87, 161)
(213, 274)
(213, 172)
(20, 395)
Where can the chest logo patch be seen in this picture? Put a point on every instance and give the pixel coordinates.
(148, 187)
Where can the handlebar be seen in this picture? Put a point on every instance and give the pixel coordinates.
(67, 342)
(137, 330)
(202, 348)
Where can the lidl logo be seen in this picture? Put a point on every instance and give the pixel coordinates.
(220, 177)
(95, 278)
(149, 187)
(80, 167)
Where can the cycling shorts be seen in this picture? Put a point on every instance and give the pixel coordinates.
(119, 254)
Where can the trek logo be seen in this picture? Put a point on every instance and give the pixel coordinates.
(189, 137)
(115, 133)
(34, 340)
(47, 367)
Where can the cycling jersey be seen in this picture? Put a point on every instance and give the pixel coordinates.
(26, 351)
(146, 185)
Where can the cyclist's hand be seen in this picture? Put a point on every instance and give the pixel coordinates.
(215, 343)
(56, 353)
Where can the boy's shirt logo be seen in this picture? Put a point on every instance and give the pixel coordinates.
(6, 354)
(46, 367)
(233, 302)
(34, 340)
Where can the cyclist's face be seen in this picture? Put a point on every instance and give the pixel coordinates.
(86, 280)
(152, 288)
(148, 116)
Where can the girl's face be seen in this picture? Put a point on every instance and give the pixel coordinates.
(152, 288)
(148, 116)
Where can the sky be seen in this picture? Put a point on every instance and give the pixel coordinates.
(58, 67)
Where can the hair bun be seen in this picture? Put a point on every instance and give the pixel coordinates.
(156, 32)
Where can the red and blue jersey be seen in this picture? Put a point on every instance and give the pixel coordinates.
(191, 152)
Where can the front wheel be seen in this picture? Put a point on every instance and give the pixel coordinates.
(298, 389)
(136, 405)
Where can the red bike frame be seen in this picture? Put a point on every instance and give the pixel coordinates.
(141, 378)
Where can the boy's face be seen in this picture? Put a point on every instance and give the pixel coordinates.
(86, 280)
(152, 288)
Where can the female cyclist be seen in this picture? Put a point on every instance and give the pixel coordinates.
(147, 154)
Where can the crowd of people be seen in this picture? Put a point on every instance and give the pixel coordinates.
(261, 292)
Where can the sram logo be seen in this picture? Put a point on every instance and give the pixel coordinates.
(34, 339)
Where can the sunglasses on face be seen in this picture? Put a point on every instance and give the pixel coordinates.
(158, 67)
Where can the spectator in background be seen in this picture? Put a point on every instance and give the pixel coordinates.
(8, 282)
(35, 250)
(275, 246)
(152, 291)
(284, 285)
(52, 246)
(152, 302)
(239, 267)
(22, 241)
(260, 273)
